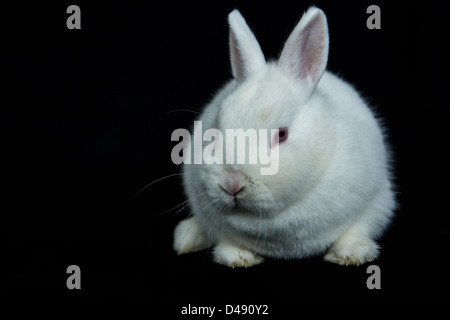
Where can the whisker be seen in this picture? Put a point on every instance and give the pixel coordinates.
(217, 209)
(185, 110)
(198, 195)
(153, 182)
(177, 206)
(182, 204)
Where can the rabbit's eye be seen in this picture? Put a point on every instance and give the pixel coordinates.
(280, 137)
(282, 134)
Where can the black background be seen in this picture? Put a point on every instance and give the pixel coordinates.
(86, 120)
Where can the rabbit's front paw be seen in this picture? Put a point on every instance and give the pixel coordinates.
(233, 256)
(189, 237)
(352, 249)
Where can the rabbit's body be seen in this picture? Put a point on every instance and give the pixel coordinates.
(332, 190)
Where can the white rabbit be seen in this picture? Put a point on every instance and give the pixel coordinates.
(332, 193)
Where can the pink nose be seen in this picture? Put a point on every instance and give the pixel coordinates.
(232, 182)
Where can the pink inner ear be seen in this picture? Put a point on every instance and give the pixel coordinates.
(311, 52)
(306, 61)
(305, 54)
(235, 59)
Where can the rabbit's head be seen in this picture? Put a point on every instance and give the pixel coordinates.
(279, 99)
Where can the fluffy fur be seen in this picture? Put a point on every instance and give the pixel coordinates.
(332, 194)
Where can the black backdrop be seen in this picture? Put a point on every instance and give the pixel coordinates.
(86, 120)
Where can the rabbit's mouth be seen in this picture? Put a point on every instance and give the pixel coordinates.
(242, 203)
(234, 198)
(239, 192)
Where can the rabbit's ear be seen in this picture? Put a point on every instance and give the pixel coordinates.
(304, 56)
(245, 53)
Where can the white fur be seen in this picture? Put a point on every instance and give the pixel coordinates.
(245, 52)
(234, 255)
(332, 191)
(189, 237)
